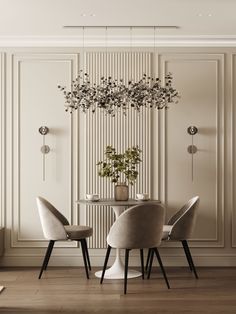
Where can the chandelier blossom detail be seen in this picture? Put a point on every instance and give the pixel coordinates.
(114, 95)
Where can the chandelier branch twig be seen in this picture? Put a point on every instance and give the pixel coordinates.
(112, 95)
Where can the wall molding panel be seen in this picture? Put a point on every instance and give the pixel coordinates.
(23, 78)
(214, 63)
(233, 101)
(2, 139)
(29, 98)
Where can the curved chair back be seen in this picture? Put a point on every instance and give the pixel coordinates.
(184, 220)
(138, 227)
(52, 220)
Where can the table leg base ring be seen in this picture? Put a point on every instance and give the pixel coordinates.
(113, 273)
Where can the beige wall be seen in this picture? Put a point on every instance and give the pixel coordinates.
(29, 98)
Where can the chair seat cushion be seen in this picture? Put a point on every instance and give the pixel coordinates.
(78, 232)
(166, 231)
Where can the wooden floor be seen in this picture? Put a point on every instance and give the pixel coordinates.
(65, 290)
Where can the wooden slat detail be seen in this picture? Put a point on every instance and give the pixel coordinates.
(119, 131)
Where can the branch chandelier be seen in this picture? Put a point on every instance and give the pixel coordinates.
(113, 95)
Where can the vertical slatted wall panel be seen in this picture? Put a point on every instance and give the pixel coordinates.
(119, 131)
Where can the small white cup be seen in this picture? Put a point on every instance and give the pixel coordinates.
(142, 196)
(92, 197)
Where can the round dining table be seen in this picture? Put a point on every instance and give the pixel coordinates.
(116, 271)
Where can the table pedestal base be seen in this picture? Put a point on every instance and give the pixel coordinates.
(117, 271)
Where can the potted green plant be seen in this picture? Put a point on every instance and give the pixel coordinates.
(119, 167)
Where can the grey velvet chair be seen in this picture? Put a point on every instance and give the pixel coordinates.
(138, 227)
(57, 228)
(179, 228)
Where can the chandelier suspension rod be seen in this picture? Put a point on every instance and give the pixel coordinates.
(122, 26)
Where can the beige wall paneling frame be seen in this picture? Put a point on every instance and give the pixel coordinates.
(36, 101)
(30, 77)
(2, 139)
(200, 80)
(233, 102)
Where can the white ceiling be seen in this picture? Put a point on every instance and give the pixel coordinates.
(44, 19)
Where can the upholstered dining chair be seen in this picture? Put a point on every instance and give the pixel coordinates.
(138, 227)
(57, 228)
(179, 228)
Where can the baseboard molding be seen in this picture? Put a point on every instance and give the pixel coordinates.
(73, 261)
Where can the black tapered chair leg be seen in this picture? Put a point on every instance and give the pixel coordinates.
(142, 262)
(162, 267)
(84, 257)
(150, 263)
(191, 260)
(47, 257)
(187, 255)
(87, 254)
(126, 269)
(105, 263)
(148, 259)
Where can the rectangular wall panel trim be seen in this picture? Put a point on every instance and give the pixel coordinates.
(2, 139)
(90, 133)
(18, 61)
(233, 103)
(217, 60)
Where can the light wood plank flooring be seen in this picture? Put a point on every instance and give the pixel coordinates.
(65, 290)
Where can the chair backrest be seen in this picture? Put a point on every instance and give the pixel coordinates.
(138, 227)
(183, 221)
(52, 220)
